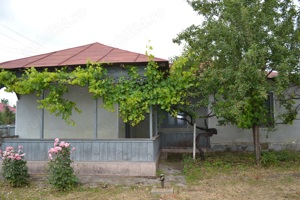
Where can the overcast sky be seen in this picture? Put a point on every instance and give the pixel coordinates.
(34, 27)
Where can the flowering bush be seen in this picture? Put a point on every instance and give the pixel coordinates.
(14, 167)
(60, 172)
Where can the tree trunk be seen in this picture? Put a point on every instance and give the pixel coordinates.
(255, 130)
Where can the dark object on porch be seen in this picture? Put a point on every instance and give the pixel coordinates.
(203, 141)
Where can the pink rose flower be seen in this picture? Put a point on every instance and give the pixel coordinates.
(20, 147)
(58, 149)
(67, 145)
(9, 148)
(73, 149)
(18, 158)
(62, 144)
(54, 150)
(11, 157)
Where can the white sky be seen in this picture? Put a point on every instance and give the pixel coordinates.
(34, 27)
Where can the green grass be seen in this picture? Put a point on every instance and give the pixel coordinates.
(217, 163)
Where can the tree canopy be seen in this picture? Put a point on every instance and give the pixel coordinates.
(239, 44)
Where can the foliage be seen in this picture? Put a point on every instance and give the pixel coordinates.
(4, 101)
(7, 116)
(236, 48)
(14, 168)
(271, 158)
(238, 44)
(222, 163)
(134, 93)
(60, 171)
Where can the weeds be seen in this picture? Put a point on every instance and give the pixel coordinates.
(276, 158)
(226, 163)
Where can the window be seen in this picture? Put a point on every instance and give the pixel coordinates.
(168, 121)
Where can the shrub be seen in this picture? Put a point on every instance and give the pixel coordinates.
(14, 167)
(60, 171)
(271, 158)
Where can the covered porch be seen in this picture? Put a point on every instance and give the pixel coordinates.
(104, 144)
(118, 157)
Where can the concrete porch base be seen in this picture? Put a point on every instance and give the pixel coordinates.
(134, 169)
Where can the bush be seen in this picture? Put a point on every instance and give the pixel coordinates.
(60, 172)
(271, 158)
(14, 167)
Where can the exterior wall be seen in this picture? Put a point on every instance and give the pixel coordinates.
(135, 169)
(107, 123)
(141, 130)
(124, 157)
(93, 121)
(28, 117)
(232, 138)
(84, 129)
(119, 72)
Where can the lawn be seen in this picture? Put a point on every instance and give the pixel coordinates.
(221, 176)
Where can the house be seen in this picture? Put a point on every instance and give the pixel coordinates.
(105, 145)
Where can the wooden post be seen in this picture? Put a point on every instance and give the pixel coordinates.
(95, 118)
(150, 123)
(42, 134)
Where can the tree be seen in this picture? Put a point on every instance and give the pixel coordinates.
(7, 116)
(239, 44)
(4, 101)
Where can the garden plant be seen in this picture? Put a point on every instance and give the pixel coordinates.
(60, 170)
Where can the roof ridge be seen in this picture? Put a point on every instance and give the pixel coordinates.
(137, 57)
(88, 46)
(106, 54)
(46, 55)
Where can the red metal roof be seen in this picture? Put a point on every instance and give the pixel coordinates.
(95, 52)
(2, 105)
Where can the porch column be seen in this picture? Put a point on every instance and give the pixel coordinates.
(150, 123)
(43, 118)
(155, 121)
(96, 118)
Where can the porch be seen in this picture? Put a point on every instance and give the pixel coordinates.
(117, 157)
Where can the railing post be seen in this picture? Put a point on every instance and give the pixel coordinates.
(151, 123)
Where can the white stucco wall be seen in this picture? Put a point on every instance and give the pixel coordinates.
(107, 123)
(28, 117)
(84, 129)
(29, 121)
(282, 134)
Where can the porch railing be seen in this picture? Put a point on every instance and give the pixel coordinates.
(110, 150)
